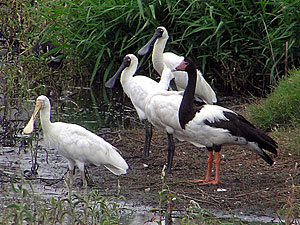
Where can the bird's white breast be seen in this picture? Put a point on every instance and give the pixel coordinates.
(137, 89)
(162, 110)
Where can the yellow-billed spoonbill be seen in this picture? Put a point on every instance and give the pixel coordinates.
(75, 143)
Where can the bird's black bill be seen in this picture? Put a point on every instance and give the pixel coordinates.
(112, 81)
(144, 50)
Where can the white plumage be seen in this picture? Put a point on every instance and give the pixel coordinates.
(162, 111)
(208, 125)
(78, 145)
(137, 88)
(170, 60)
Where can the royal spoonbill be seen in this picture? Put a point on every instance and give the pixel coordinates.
(137, 88)
(78, 145)
(160, 59)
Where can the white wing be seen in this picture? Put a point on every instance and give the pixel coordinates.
(77, 143)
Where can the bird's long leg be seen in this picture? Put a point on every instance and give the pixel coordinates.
(84, 182)
(88, 177)
(171, 149)
(71, 165)
(148, 137)
(71, 177)
(81, 168)
(208, 171)
(208, 179)
(217, 164)
(217, 149)
(209, 166)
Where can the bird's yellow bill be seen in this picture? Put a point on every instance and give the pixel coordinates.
(29, 127)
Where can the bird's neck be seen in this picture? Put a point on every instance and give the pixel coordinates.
(127, 75)
(45, 119)
(165, 79)
(158, 55)
(186, 110)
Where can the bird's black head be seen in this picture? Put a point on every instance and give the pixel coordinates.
(159, 32)
(126, 61)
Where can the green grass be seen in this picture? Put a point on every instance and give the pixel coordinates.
(291, 210)
(289, 138)
(22, 205)
(281, 107)
(27, 207)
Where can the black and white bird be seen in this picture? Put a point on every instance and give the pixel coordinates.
(161, 59)
(137, 88)
(208, 125)
(78, 145)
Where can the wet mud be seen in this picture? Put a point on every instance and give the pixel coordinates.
(251, 189)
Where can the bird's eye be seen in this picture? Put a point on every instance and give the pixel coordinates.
(127, 61)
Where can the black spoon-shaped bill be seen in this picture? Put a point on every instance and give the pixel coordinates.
(144, 50)
(112, 81)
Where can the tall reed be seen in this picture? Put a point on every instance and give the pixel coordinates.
(241, 46)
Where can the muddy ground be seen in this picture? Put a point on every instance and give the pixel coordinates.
(250, 186)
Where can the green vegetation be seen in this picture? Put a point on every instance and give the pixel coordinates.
(27, 207)
(241, 46)
(280, 112)
(290, 211)
(281, 107)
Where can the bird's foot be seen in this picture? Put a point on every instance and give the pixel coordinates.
(168, 168)
(205, 182)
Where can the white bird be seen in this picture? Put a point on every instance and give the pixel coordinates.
(137, 89)
(78, 145)
(208, 125)
(160, 59)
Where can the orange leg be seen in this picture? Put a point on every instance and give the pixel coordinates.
(208, 171)
(217, 163)
(208, 179)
